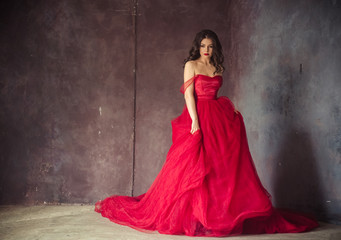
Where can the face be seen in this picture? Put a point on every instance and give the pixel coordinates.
(206, 48)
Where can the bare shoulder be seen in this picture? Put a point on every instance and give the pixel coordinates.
(191, 64)
(220, 73)
(189, 70)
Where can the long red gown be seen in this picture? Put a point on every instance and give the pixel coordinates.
(208, 185)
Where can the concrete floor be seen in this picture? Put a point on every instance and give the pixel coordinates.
(81, 222)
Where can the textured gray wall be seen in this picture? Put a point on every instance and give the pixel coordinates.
(67, 94)
(285, 57)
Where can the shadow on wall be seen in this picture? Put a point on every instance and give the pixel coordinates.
(13, 184)
(297, 182)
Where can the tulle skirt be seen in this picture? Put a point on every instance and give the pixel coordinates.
(208, 185)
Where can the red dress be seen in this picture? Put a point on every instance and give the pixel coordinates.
(208, 185)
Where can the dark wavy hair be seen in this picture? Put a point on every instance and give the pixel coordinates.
(217, 58)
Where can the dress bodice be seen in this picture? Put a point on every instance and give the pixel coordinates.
(206, 87)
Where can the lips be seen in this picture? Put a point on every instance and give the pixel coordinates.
(206, 54)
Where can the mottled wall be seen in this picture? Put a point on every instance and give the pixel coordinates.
(66, 100)
(285, 59)
(68, 87)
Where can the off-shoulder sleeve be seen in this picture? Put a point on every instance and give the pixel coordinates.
(186, 84)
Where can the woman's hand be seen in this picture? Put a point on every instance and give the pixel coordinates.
(195, 126)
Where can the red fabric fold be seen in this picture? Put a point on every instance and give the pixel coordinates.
(208, 185)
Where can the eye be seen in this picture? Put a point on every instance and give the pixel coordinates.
(211, 46)
(202, 45)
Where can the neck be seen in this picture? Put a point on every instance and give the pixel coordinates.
(205, 61)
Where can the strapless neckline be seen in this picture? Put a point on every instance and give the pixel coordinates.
(207, 75)
(202, 78)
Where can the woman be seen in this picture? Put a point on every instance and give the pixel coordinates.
(208, 185)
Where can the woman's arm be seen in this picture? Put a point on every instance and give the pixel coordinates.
(189, 96)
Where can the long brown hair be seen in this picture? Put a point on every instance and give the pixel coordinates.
(217, 58)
